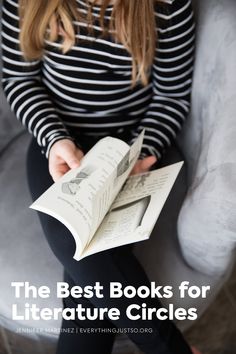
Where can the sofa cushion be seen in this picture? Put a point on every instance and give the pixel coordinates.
(207, 226)
(25, 255)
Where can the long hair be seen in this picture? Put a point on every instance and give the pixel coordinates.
(132, 22)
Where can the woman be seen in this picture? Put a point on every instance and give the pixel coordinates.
(74, 72)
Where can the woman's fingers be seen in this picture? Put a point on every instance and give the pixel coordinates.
(58, 170)
(70, 157)
(144, 165)
(147, 163)
(64, 155)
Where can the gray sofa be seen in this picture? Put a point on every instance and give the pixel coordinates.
(194, 238)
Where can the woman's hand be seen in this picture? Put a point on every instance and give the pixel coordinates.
(143, 165)
(63, 156)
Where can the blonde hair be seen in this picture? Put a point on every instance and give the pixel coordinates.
(133, 24)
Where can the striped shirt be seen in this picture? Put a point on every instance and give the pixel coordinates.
(88, 90)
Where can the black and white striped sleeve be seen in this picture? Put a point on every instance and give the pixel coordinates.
(21, 81)
(171, 78)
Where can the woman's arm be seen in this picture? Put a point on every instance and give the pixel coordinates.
(25, 92)
(171, 78)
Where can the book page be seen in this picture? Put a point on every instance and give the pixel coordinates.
(108, 192)
(82, 197)
(136, 209)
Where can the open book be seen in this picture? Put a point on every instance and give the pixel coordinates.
(101, 205)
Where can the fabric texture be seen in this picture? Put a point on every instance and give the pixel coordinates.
(206, 225)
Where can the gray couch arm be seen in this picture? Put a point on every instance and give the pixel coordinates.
(207, 221)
